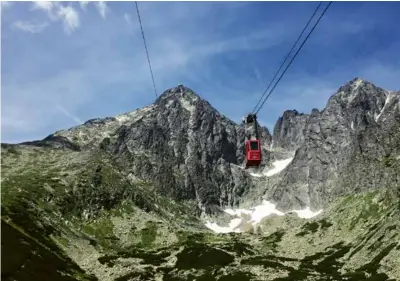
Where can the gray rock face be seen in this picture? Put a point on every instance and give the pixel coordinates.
(181, 144)
(359, 123)
(289, 130)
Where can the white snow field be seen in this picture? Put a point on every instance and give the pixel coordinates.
(254, 216)
(279, 166)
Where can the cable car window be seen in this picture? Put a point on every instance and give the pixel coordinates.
(253, 145)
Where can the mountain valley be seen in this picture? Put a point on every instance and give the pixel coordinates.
(160, 193)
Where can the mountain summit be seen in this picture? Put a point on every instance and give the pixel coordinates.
(359, 128)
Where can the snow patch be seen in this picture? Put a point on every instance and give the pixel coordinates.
(307, 213)
(256, 213)
(256, 175)
(384, 106)
(233, 226)
(279, 166)
(254, 216)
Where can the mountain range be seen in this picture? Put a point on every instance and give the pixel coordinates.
(129, 197)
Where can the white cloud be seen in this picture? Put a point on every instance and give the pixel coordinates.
(30, 27)
(83, 4)
(57, 12)
(69, 17)
(43, 5)
(102, 8)
(257, 40)
(127, 17)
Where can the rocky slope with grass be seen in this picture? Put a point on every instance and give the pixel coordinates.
(120, 198)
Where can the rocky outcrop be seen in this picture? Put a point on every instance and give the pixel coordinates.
(54, 142)
(289, 130)
(359, 124)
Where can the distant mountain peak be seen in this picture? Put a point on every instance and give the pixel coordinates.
(356, 83)
(356, 80)
(185, 98)
(179, 92)
(351, 90)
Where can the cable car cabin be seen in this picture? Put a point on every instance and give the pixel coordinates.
(253, 153)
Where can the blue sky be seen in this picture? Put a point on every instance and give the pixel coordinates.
(67, 62)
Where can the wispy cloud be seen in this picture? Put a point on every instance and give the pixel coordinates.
(47, 6)
(69, 114)
(31, 27)
(83, 4)
(69, 17)
(59, 12)
(102, 8)
(127, 18)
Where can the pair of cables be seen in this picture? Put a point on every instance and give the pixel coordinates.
(265, 96)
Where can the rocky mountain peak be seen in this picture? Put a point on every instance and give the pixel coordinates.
(288, 130)
(354, 84)
(179, 92)
(184, 146)
(181, 95)
(358, 91)
(291, 113)
(359, 103)
(360, 122)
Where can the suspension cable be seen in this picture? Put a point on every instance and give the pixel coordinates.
(145, 46)
(295, 55)
(287, 56)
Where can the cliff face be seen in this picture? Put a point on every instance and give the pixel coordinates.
(183, 145)
(289, 130)
(359, 128)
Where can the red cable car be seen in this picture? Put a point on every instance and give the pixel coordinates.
(253, 153)
(252, 144)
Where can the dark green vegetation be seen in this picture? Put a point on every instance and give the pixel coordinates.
(73, 215)
(272, 240)
(312, 227)
(29, 253)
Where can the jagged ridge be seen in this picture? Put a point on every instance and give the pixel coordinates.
(359, 128)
